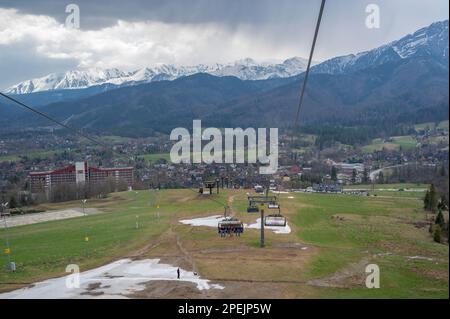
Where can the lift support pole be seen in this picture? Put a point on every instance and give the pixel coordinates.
(261, 241)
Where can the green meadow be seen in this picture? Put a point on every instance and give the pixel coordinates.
(342, 233)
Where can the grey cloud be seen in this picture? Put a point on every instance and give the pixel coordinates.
(285, 25)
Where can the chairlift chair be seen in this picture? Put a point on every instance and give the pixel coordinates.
(275, 220)
(229, 225)
(252, 209)
(273, 205)
(259, 189)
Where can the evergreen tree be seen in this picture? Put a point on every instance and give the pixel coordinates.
(442, 170)
(12, 202)
(441, 204)
(333, 173)
(365, 176)
(426, 200)
(437, 234)
(381, 178)
(448, 237)
(354, 176)
(433, 198)
(440, 220)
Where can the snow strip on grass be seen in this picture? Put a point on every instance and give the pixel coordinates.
(34, 218)
(210, 221)
(276, 229)
(115, 280)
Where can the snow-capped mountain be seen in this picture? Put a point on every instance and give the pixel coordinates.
(249, 69)
(70, 79)
(431, 41)
(246, 69)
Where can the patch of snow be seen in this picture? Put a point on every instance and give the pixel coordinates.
(210, 221)
(277, 230)
(115, 280)
(35, 218)
(420, 258)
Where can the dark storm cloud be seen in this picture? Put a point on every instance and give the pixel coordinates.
(261, 29)
(18, 63)
(98, 14)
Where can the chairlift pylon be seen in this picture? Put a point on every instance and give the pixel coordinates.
(253, 202)
(210, 185)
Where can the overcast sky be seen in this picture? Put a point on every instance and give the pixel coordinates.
(129, 34)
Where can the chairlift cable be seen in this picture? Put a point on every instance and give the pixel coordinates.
(48, 117)
(305, 79)
(212, 199)
(78, 132)
(73, 130)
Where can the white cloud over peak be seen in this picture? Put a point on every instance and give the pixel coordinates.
(133, 34)
(129, 44)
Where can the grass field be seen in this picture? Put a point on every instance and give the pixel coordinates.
(439, 139)
(32, 154)
(393, 190)
(388, 186)
(397, 142)
(156, 157)
(405, 142)
(342, 233)
(9, 158)
(444, 125)
(115, 139)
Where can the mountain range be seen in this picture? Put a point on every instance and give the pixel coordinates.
(246, 69)
(431, 41)
(405, 81)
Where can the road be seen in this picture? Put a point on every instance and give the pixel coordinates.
(373, 174)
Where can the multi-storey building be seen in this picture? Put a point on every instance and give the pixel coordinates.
(78, 173)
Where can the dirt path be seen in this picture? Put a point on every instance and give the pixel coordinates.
(352, 275)
(179, 249)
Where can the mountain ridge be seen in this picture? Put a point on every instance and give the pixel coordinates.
(383, 89)
(245, 69)
(430, 41)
